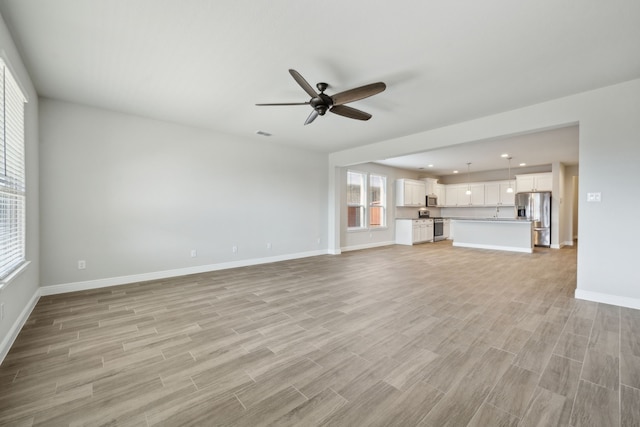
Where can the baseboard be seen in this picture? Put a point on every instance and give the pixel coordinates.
(608, 299)
(366, 246)
(157, 275)
(568, 243)
(9, 339)
(492, 247)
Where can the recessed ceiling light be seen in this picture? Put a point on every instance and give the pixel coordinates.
(523, 164)
(505, 155)
(455, 171)
(263, 133)
(430, 166)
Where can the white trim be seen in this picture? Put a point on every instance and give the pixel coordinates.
(15, 273)
(493, 247)
(608, 299)
(123, 280)
(366, 246)
(555, 246)
(567, 243)
(9, 339)
(7, 63)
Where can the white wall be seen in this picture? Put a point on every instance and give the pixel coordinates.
(609, 153)
(20, 295)
(558, 221)
(133, 196)
(570, 207)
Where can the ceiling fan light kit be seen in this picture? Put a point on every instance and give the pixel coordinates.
(321, 102)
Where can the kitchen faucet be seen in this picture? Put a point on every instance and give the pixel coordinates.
(497, 212)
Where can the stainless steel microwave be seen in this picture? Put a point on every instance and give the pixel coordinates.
(432, 200)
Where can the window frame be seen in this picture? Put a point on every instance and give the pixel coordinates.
(382, 201)
(13, 180)
(361, 204)
(366, 203)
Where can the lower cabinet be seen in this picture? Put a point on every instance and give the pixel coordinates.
(413, 231)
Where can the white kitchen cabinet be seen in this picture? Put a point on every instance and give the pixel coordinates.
(534, 182)
(410, 192)
(495, 194)
(430, 184)
(456, 195)
(507, 199)
(451, 195)
(440, 192)
(477, 195)
(476, 198)
(413, 231)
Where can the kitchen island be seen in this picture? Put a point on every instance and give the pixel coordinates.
(503, 234)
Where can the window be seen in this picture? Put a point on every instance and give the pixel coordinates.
(366, 200)
(12, 174)
(356, 193)
(377, 200)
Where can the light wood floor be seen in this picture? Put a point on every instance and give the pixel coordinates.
(405, 336)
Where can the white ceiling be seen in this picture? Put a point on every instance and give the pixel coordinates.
(206, 63)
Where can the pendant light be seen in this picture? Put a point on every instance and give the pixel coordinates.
(468, 192)
(509, 188)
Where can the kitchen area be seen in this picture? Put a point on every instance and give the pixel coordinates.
(511, 215)
(466, 195)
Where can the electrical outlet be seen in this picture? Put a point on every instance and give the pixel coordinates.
(269, 245)
(318, 240)
(194, 253)
(234, 249)
(594, 197)
(82, 264)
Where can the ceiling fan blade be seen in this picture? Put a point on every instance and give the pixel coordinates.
(303, 83)
(285, 103)
(311, 117)
(350, 112)
(358, 93)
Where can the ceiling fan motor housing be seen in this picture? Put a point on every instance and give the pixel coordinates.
(321, 103)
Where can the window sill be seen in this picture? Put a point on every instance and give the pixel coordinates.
(362, 230)
(14, 274)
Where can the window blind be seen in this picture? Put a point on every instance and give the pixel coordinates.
(12, 174)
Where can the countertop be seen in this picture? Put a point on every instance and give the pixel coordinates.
(469, 218)
(490, 219)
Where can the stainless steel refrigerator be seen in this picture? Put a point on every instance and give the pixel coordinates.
(536, 207)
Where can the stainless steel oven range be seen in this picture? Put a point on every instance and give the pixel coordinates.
(438, 229)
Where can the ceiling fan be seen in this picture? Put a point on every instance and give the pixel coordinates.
(322, 102)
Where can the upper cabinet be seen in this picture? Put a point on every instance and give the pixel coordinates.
(456, 195)
(410, 192)
(431, 184)
(492, 193)
(476, 198)
(495, 194)
(534, 182)
(450, 195)
(441, 193)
